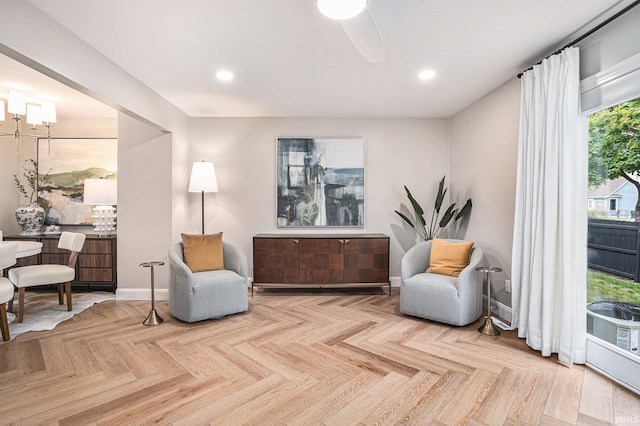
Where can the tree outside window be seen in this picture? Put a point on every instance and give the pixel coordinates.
(614, 146)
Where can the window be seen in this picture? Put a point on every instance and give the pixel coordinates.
(613, 290)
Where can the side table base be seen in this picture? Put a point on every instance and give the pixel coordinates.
(153, 318)
(488, 328)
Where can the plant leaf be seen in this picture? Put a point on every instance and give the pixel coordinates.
(448, 215)
(406, 219)
(465, 210)
(416, 207)
(440, 197)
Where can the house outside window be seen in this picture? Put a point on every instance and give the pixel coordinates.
(613, 204)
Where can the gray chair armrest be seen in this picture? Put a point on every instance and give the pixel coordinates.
(235, 260)
(467, 280)
(415, 260)
(179, 271)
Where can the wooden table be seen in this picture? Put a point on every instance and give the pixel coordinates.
(26, 248)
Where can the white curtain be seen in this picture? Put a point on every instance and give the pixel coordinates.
(549, 263)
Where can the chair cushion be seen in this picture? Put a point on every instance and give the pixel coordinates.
(448, 258)
(6, 290)
(33, 275)
(203, 252)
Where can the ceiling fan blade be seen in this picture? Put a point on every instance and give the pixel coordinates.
(365, 36)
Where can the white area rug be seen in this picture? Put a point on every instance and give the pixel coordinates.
(44, 313)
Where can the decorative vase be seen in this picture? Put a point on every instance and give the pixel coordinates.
(30, 217)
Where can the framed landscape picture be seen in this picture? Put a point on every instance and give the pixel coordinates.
(320, 182)
(63, 165)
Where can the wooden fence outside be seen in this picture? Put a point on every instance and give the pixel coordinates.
(614, 247)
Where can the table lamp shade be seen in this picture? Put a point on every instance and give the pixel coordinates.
(203, 177)
(17, 103)
(99, 192)
(103, 194)
(49, 112)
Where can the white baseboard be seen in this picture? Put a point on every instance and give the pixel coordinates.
(141, 294)
(499, 309)
(395, 281)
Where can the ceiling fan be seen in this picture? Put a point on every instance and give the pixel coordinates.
(357, 21)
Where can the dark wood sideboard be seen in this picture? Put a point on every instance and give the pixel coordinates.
(96, 266)
(320, 260)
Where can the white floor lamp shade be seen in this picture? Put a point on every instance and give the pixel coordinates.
(203, 179)
(103, 194)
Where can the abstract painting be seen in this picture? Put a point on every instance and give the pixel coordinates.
(320, 182)
(63, 165)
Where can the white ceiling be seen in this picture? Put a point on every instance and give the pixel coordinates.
(38, 87)
(289, 60)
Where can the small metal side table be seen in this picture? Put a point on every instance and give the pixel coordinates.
(488, 328)
(153, 318)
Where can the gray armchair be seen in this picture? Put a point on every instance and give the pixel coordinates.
(450, 300)
(209, 294)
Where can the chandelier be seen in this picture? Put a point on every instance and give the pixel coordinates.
(36, 113)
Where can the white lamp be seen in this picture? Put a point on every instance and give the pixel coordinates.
(17, 103)
(49, 112)
(37, 114)
(203, 179)
(103, 194)
(34, 115)
(341, 9)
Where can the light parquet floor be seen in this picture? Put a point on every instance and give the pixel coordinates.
(296, 358)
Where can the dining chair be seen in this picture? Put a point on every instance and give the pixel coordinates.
(7, 258)
(36, 275)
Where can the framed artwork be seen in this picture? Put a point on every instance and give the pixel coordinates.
(320, 182)
(63, 165)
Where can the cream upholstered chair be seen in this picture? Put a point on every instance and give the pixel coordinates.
(197, 296)
(442, 298)
(7, 258)
(35, 275)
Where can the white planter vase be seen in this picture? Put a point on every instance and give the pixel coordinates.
(30, 217)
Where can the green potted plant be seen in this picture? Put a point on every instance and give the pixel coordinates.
(437, 226)
(30, 216)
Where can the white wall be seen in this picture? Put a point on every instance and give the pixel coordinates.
(69, 60)
(484, 149)
(144, 207)
(412, 152)
(10, 200)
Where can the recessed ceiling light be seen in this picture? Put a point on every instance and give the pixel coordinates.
(224, 75)
(341, 9)
(426, 74)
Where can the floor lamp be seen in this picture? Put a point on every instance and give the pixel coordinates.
(203, 179)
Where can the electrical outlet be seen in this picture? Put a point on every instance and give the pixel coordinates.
(507, 286)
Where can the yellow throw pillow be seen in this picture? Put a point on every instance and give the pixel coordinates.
(203, 252)
(448, 258)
